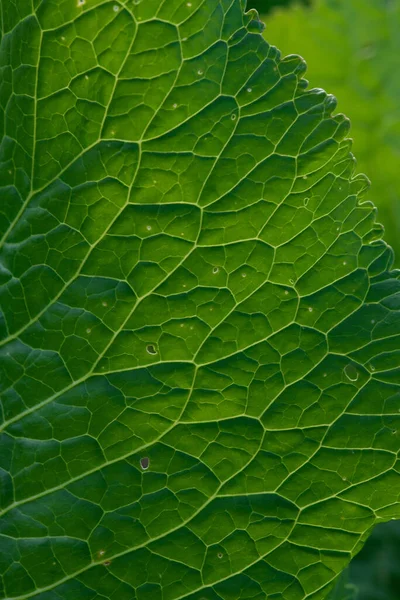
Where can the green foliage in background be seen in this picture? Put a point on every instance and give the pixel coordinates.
(375, 571)
(352, 48)
(344, 589)
(200, 326)
(265, 6)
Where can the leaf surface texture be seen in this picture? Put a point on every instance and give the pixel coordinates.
(200, 329)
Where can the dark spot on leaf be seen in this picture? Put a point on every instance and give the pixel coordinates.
(107, 563)
(151, 349)
(220, 555)
(145, 463)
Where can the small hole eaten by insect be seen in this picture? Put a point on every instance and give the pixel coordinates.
(351, 372)
(151, 349)
(145, 463)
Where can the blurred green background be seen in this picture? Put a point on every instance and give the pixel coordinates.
(352, 49)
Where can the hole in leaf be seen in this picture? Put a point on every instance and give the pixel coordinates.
(145, 463)
(151, 349)
(351, 372)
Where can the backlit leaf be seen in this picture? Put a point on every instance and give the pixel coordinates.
(200, 329)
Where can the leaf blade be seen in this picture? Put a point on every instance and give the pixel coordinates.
(166, 379)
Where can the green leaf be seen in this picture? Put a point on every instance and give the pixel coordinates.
(352, 48)
(200, 328)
